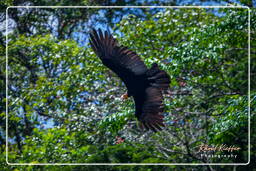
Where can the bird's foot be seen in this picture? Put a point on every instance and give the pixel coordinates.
(124, 96)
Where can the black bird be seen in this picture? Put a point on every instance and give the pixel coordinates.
(144, 85)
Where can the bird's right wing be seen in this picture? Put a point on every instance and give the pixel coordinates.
(149, 109)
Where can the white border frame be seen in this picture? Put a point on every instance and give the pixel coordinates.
(58, 164)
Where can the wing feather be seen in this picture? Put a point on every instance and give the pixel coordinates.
(149, 109)
(124, 62)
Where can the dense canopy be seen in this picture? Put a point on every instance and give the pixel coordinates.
(64, 105)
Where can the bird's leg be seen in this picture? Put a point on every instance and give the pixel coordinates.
(124, 96)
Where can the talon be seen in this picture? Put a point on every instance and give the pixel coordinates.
(124, 96)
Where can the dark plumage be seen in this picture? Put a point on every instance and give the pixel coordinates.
(143, 84)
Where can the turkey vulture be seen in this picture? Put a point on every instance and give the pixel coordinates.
(144, 85)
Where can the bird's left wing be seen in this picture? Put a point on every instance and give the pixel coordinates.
(124, 62)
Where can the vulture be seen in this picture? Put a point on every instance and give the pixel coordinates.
(145, 85)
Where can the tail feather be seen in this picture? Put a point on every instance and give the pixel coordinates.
(158, 78)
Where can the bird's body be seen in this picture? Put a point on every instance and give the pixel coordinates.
(132, 83)
(143, 84)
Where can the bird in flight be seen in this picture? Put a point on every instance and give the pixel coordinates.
(146, 86)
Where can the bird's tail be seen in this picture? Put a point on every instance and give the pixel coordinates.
(158, 78)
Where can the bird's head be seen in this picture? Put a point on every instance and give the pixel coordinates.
(124, 96)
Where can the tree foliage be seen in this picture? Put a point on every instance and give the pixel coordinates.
(64, 106)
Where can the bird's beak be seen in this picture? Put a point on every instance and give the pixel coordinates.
(124, 96)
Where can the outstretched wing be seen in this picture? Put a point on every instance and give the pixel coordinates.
(124, 62)
(149, 108)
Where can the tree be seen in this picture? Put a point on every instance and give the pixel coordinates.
(64, 106)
